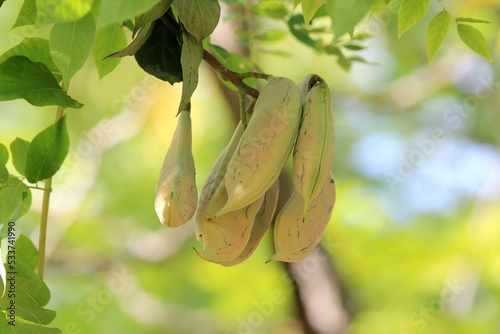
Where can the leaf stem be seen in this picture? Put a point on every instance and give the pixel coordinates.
(22, 186)
(42, 239)
(243, 114)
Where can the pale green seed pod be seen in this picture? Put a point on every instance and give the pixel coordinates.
(314, 148)
(225, 237)
(265, 145)
(176, 192)
(262, 221)
(294, 236)
(214, 178)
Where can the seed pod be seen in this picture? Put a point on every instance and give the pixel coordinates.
(265, 145)
(225, 237)
(294, 236)
(262, 222)
(176, 193)
(214, 178)
(313, 151)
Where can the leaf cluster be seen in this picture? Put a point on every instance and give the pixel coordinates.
(22, 285)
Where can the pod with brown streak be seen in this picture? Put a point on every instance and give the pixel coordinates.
(294, 236)
(260, 226)
(214, 178)
(265, 145)
(313, 151)
(225, 237)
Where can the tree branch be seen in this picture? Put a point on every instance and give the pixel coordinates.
(228, 75)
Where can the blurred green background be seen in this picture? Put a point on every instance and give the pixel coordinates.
(415, 233)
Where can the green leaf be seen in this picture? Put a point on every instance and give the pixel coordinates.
(128, 24)
(47, 152)
(116, 11)
(27, 14)
(154, 13)
(394, 5)
(470, 20)
(345, 63)
(298, 29)
(58, 11)
(70, 44)
(272, 9)
(361, 60)
(230, 60)
(25, 327)
(271, 35)
(192, 53)
(30, 298)
(410, 12)
(35, 49)
(353, 47)
(136, 44)
(4, 174)
(309, 8)
(346, 14)
(3, 275)
(160, 56)
(378, 5)
(296, 3)
(15, 200)
(361, 36)
(19, 148)
(236, 17)
(438, 28)
(276, 52)
(475, 40)
(199, 17)
(26, 252)
(32, 294)
(4, 154)
(107, 40)
(23, 79)
(233, 62)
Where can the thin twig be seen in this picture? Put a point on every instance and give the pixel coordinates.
(21, 186)
(256, 75)
(228, 75)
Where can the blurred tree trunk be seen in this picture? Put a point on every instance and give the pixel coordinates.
(321, 300)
